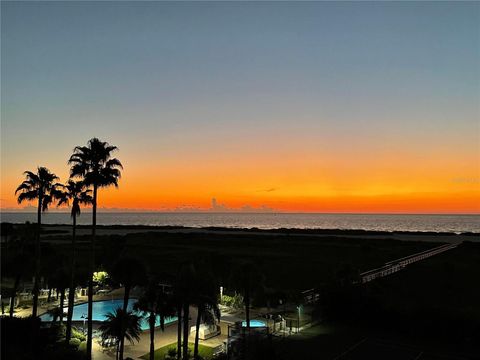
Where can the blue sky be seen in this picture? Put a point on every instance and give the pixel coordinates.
(179, 78)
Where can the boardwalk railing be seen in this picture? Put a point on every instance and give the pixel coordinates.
(397, 265)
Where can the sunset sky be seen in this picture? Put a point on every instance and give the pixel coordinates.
(292, 106)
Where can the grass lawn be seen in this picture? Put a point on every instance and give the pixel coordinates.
(204, 351)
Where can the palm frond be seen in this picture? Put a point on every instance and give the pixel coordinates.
(47, 200)
(118, 320)
(94, 165)
(40, 185)
(25, 186)
(31, 176)
(112, 163)
(27, 196)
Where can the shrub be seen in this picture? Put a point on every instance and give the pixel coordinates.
(78, 335)
(235, 301)
(82, 346)
(74, 342)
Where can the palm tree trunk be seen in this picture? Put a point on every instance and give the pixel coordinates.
(186, 311)
(152, 319)
(37, 258)
(62, 300)
(92, 269)
(247, 306)
(179, 331)
(14, 293)
(126, 295)
(71, 291)
(197, 328)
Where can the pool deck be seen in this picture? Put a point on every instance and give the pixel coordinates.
(136, 350)
(44, 307)
(167, 337)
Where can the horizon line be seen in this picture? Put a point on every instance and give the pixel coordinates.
(133, 211)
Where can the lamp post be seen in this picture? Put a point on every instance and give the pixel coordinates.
(84, 317)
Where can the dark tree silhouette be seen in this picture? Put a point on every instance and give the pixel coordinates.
(120, 324)
(40, 186)
(206, 301)
(76, 193)
(60, 281)
(129, 272)
(155, 302)
(19, 248)
(184, 295)
(94, 164)
(247, 276)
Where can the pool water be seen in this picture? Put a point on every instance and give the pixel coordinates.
(102, 308)
(254, 323)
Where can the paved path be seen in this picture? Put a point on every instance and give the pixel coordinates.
(166, 337)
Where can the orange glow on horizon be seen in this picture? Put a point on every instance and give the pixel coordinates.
(296, 178)
(460, 195)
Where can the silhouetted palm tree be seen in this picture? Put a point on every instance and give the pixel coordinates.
(206, 301)
(17, 250)
(120, 324)
(60, 280)
(129, 272)
(178, 306)
(76, 192)
(40, 186)
(184, 290)
(249, 278)
(95, 165)
(155, 302)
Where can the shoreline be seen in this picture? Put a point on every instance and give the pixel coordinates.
(349, 224)
(56, 230)
(289, 231)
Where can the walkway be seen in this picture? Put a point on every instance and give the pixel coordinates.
(162, 338)
(392, 267)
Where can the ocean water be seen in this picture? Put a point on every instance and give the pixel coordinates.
(379, 222)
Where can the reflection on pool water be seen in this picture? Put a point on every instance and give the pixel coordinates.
(254, 323)
(102, 308)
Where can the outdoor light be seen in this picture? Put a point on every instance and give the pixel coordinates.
(84, 317)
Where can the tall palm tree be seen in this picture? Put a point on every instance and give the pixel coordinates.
(120, 324)
(155, 302)
(206, 301)
(247, 276)
(129, 272)
(178, 306)
(184, 290)
(60, 280)
(40, 186)
(94, 164)
(19, 248)
(78, 194)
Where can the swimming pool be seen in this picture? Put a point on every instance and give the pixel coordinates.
(102, 308)
(255, 323)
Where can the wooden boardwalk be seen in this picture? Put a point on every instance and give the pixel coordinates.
(392, 267)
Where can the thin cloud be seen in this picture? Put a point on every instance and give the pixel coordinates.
(267, 190)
